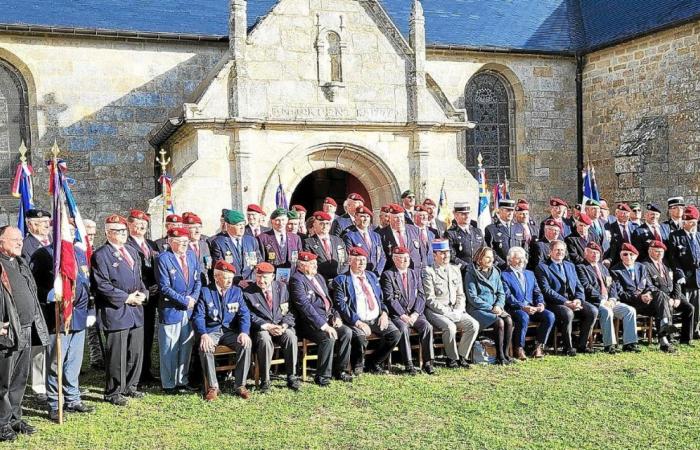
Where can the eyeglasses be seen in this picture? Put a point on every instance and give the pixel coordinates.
(626, 254)
(120, 230)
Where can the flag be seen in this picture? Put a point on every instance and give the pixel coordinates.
(281, 197)
(80, 239)
(590, 189)
(496, 195)
(594, 186)
(483, 218)
(64, 264)
(167, 189)
(506, 188)
(443, 212)
(22, 189)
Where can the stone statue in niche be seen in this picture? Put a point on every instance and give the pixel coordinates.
(329, 47)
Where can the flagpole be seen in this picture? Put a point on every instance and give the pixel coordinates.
(58, 299)
(163, 164)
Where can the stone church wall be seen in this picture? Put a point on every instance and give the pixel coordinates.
(99, 98)
(642, 116)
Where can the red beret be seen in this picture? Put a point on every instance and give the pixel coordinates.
(556, 201)
(330, 201)
(265, 267)
(115, 218)
(594, 246)
(420, 208)
(657, 244)
(356, 197)
(364, 210)
(585, 219)
(624, 207)
(224, 266)
(178, 232)
(396, 209)
(307, 256)
(629, 248)
(524, 206)
(691, 213)
(357, 251)
(191, 218)
(173, 218)
(385, 209)
(551, 223)
(136, 214)
(255, 208)
(399, 251)
(429, 202)
(298, 208)
(320, 215)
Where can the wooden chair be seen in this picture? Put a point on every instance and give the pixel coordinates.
(221, 352)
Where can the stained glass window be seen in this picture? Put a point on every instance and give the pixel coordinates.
(490, 106)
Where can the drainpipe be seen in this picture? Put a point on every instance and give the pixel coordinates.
(579, 124)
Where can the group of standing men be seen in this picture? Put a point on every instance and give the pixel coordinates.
(338, 281)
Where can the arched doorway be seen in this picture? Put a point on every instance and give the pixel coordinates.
(334, 183)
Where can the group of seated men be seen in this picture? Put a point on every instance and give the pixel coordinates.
(339, 280)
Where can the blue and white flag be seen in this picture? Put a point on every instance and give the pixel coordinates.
(484, 217)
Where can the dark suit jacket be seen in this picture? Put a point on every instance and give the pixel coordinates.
(30, 245)
(500, 239)
(345, 299)
(113, 281)
(556, 289)
(331, 267)
(399, 301)
(642, 236)
(539, 252)
(308, 302)
(666, 282)
(341, 224)
(244, 261)
(685, 258)
(575, 246)
(271, 252)
(628, 289)
(616, 241)
(260, 313)
(249, 231)
(377, 259)
(591, 285)
(412, 243)
(148, 265)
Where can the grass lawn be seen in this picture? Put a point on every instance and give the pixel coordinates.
(647, 400)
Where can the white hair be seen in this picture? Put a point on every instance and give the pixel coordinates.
(517, 251)
(89, 223)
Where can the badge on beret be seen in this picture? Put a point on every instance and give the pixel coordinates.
(284, 307)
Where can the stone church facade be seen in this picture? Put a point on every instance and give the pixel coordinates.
(311, 90)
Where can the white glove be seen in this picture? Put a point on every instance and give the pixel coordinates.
(91, 320)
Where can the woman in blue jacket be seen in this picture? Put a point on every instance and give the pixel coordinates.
(486, 300)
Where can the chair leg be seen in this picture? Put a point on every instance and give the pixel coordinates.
(303, 360)
(256, 371)
(556, 340)
(650, 329)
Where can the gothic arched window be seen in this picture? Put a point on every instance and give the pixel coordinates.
(489, 104)
(334, 55)
(14, 118)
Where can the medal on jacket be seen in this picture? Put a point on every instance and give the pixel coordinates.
(295, 256)
(232, 308)
(251, 258)
(271, 256)
(341, 254)
(416, 244)
(228, 257)
(284, 307)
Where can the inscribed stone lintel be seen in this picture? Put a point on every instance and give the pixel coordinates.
(360, 113)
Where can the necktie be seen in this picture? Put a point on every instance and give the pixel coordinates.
(404, 281)
(369, 295)
(521, 279)
(268, 299)
(660, 268)
(601, 282)
(321, 294)
(657, 236)
(402, 241)
(367, 240)
(183, 263)
(625, 236)
(237, 244)
(256, 231)
(145, 250)
(631, 273)
(127, 257)
(281, 241)
(526, 233)
(327, 247)
(423, 235)
(195, 248)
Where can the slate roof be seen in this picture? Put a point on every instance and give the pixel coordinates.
(556, 26)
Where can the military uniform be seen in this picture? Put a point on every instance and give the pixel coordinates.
(464, 242)
(501, 236)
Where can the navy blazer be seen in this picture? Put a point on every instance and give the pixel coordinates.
(642, 236)
(29, 246)
(685, 258)
(341, 224)
(616, 240)
(591, 285)
(345, 299)
(329, 268)
(174, 288)
(516, 298)
(538, 253)
(398, 301)
(260, 313)
(629, 289)
(557, 290)
(412, 239)
(244, 261)
(113, 281)
(377, 258)
(212, 312)
(501, 240)
(270, 249)
(42, 269)
(148, 265)
(308, 302)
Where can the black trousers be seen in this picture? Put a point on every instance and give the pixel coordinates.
(14, 371)
(326, 345)
(565, 316)
(659, 308)
(123, 360)
(388, 338)
(149, 327)
(687, 312)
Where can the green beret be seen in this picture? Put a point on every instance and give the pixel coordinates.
(232, 217)
(278, 212)
(292, 215)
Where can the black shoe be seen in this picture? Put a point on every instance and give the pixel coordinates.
(7, 434)
(118, 400)
(264, 387)
(81, 407)
(187, 389)
(696, 335)
(463, 362)
(293, 383)
(357, 371)
(585, 350)
(170, 391)
(411, 370)
(610, 349)
(634, 348)
(322, 381)
(428, 368)
(502, 362)
(41, 398)
(375, 369)
(667, 348)
(452, 363)
(133, 393)
(344, 377)
(687, 343)
(148, 378)
(23, 427)
(570, 351)
(53, 415)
